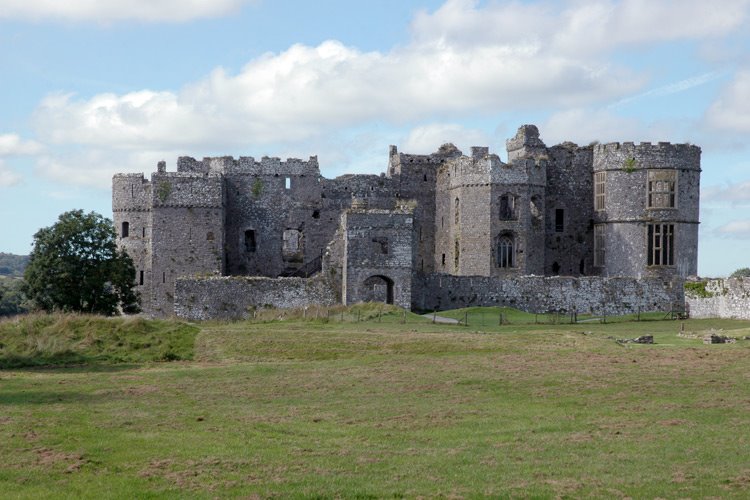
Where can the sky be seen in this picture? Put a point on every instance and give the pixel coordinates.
(91, 88)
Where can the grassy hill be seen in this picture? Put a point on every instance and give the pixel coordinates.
(390, 406)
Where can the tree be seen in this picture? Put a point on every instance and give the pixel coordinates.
(75, 265)
(743, 272)
(12, 299)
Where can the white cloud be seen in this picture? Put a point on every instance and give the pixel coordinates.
(428, 138)
(13, 145)
(8, 177)
(736, 194)
(731, 111)
(102, 11)
(736, 229)
(588, 26)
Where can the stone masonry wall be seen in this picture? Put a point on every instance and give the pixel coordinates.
(235, 297)
(611, 296)
(730, 298)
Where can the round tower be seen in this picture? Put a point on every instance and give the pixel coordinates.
(646, 203)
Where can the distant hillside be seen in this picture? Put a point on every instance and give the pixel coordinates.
(12, 265)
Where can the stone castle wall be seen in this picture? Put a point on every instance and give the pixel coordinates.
(231, 298)
(597, 295)
(728, 298)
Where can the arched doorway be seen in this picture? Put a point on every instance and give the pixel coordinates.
(378, 289)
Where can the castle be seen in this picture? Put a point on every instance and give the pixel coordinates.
(616, 223)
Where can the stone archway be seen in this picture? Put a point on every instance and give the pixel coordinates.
(378, 288)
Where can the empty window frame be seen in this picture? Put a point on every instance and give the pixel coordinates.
(457, 204)
(250, 243)
(125, 230)
(380, 245)
(507, 207)
(660, 245)
(600, 181)
(505, 251)
(287, 183)
(456, 254)
(559, 220)
(599, 247)
(661, 188)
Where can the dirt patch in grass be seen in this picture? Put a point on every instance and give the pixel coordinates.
(50, 458)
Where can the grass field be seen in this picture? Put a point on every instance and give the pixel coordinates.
(377, 409)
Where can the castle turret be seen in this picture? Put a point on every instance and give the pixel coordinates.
(646, 209)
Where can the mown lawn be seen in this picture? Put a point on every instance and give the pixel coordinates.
(389, 409)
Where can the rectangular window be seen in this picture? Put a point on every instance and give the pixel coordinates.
(288, 183)
(250, 245)
(661, 188)
(599, 238)
(600, 180)
(140, 280)
(380, 245)
(507, 207)
(559, 220)
(660, 245)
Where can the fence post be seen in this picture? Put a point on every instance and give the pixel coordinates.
(466, 318)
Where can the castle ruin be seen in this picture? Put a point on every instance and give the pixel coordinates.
(611, 226)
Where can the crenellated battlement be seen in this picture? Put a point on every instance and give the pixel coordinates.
(647, 155)
(228, 165)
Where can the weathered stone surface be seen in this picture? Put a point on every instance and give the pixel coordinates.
(724, 298)
(472, 220)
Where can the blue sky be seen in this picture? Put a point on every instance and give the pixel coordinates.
(92, 88)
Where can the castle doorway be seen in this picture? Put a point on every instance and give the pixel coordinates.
(378, 289)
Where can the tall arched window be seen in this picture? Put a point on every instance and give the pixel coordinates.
(125, 230)
(505, 251)
(457, 208)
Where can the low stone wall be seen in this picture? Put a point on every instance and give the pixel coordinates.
(597, 295)
(720, 298)
(234, 297)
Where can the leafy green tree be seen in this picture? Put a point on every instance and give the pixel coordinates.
(743, 272)
(76, 266)
(12, 299)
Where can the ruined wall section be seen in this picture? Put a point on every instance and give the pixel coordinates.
(378, 247)
(188, 232)
(569, 229)
(415, 178)
(626, 215)
(131, 213)
(537, 294)
(723, 298)
(234, 298)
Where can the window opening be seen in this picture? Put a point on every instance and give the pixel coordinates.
(140, 278)
(210, 236)
(507, 207)
(250, 243)
(457, 203)
(600, 179)
(457, 254)
(443, 263)
(125, 229)
(380, 245)
(555, 268)
(505, 251)
(661, 188)
(559, 220)
(288, 183)
(660, 245)
(599, 233)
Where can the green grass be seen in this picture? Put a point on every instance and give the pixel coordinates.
(317, 407)
(64, 339)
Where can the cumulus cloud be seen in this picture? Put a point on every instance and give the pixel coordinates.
(463, 60)
(428, 138)
(581, 26)
(8, 177)
(735, 229)
(13, 145)
(731, 111)
(735, 194)
(117, 10)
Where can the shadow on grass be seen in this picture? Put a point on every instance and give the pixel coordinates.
(20, 398)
